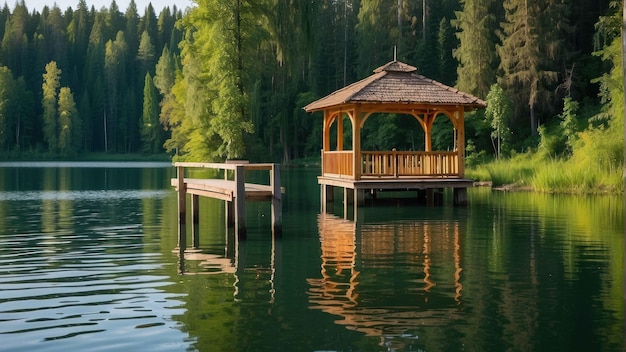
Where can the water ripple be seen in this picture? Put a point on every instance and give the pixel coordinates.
(83, 287)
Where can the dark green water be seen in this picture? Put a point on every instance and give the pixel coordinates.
(87, 263)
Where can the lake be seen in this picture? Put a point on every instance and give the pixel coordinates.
(88, 262)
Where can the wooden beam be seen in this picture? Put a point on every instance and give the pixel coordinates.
(240, 201)
(195, 221)
(277, 215)
(182, 210)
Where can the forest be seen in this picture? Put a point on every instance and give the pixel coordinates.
(228, 79)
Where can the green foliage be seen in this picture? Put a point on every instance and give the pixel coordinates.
(237, 84)
(499, 112)
(476, 52)
(50, 87)
(569, 122)
(150, 126)
(69, 123)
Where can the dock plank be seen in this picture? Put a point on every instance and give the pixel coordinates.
(224, 189)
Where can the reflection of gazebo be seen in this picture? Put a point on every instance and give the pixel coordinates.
(394, 88)
(388, 279)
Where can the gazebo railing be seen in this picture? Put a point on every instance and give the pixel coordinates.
(402, 164)
(338, 163)
(391, 164)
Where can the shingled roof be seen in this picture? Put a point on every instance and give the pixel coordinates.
(397, 83)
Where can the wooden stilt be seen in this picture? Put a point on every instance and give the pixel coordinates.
(182, 210)
(345, 202)
(195, 221)
(277, 215)
(240, 201)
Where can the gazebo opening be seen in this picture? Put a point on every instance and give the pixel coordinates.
(392, 131)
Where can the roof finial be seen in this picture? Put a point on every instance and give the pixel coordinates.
(395, 49)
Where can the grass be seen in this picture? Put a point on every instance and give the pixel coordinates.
(532, 172)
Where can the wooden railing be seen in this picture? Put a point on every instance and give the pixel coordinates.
(338, 163)
(399, 164)
(391, 164)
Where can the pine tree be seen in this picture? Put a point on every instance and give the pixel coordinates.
(150, 127)
(50, 87)
(6, 97)
(476, 52)
(69, 123)
(529, 54)
(145, 54)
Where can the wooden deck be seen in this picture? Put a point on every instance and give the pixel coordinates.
(233, 189)
(225, 189)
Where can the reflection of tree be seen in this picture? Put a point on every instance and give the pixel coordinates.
(388, 279)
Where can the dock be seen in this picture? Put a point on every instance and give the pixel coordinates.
(232, 188)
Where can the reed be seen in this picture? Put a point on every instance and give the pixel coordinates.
(515, 172)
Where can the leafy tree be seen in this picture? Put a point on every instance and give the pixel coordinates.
(219, 56)
(498, 112)
(569, 122)
(50, 87)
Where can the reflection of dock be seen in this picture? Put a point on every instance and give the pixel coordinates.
(253, 276)
(386, 279)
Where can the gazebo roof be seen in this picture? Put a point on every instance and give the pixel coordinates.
(397, 83)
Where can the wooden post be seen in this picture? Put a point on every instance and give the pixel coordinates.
(195, 221)
(277, 213)
(182, 211)
(346, 200)
(359, 196)
(240, 201)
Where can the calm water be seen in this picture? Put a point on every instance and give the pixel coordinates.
(87, 263)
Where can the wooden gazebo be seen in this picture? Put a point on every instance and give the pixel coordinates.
(393, 88)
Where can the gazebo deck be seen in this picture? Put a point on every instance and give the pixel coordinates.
(402, 183)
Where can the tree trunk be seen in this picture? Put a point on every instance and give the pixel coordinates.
(624, 78)
(533, 121)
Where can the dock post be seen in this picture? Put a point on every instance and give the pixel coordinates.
(346, 200)
(240, 201)
(277, 222)
(195, 221)
(182, 211)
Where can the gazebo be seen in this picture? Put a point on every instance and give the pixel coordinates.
(394, 88)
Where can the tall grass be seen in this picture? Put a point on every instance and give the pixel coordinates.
(530, 171)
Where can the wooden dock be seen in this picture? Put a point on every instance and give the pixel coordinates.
(233, 189)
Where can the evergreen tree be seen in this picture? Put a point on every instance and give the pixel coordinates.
(7, 87)
(529, 54)
(145, 54)
(69, 123)
(150, 126)
(50, 87)
(23, 108)
(476, 52)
